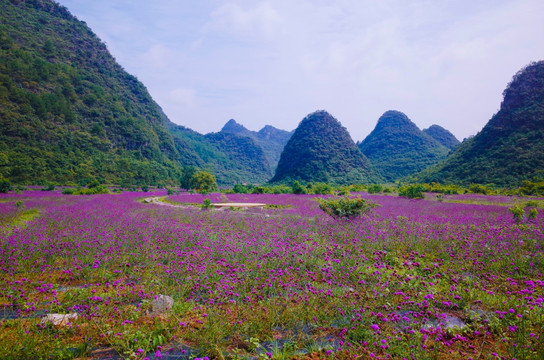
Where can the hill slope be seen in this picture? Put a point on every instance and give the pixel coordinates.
(442, 135)
(269, 138)
(68, 111)
(510, 147)
(321, 150)
(397, 147)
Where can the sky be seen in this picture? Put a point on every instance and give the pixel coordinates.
(273, 62)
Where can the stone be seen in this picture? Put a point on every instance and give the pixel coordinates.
(59, 319)
(162, 304)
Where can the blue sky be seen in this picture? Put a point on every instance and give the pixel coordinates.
(273, 62)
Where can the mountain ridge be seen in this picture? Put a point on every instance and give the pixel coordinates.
(321, 150)
(398, 148)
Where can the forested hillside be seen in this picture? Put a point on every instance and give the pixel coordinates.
(397, 147)
(269, 138)
(321, 150)
(68, 111)
(443, 136)
(510, 148)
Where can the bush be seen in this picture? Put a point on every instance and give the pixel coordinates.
(298, 188)
(49, 187)
(169, 191)
(375, 188)
(345, 207)
(242, 189)
(414, 191)
(206, 204)
(479, 189)
(100, 189)
(518, 212)
(320, 188)
(5, 186)
(533, 213)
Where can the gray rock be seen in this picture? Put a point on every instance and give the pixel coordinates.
(162, 304)
(59, 319)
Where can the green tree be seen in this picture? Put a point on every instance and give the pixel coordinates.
(298, 188)
(414, 191)
(5, 186)
(186, 177)
(203, 181)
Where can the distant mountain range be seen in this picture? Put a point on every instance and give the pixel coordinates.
(397, 147)
(510, 148)
(321, 150)
(70, 114)
(269, 138)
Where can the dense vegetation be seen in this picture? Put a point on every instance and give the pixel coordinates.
(321, 150)
(397, 147)
(71, 114)
(443, 136)
(269, 138)
(510, 148)
(68, 111)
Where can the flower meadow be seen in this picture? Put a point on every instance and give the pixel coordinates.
(415, 279)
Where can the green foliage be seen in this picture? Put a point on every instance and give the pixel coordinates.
(68, 111)
(48, 187)
(375, 188)
(5, 186)
(533, 213)
(518, 212)
(203, 181)
(169, 191)
(269, 139)
(145, 188)
(321, 150)
(443, 189)
(397, 147)
(320, 188)
(480, 189)
(531, 188)
(442, 135)
(345, 207)
(510, 146)
(298, 188)
(207, 204)
(413, 191)
(99, 189)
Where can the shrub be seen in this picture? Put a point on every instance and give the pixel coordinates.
(479, 189)
(206, 204)
(414, 191)
(345, 207)
(533, 213)
(49, 187)
(145, 188)
(375, 188)
(320, 188)
(298, 188)
(5, 186)
(518, 212)
(100, 189)
(169, 191)
(242, 189)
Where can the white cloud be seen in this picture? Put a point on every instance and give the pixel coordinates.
(262, 19)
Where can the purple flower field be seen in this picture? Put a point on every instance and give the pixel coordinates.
(415, 279)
